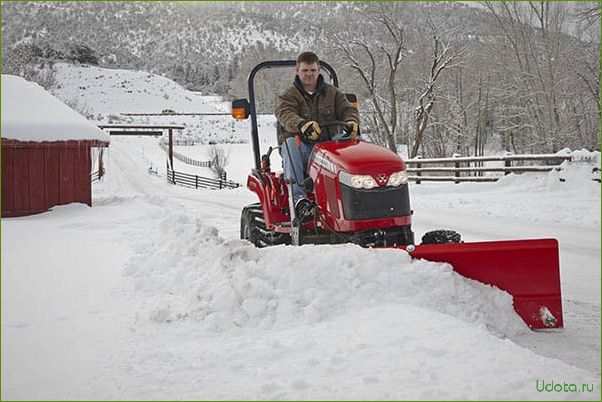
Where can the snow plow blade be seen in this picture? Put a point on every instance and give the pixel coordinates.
(527, 269)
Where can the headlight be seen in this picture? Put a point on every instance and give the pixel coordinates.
(398, 178)
(357, 181)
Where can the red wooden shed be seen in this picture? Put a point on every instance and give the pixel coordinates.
(48, 150)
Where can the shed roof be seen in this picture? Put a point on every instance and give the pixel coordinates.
(30, 113)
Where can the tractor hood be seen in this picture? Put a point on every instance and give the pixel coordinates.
(359, 157)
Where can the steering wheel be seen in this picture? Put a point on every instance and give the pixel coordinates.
(343, 125)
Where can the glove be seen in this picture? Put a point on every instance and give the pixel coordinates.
(311, 130)
(353, 129)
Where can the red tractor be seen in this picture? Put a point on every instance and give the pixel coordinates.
(360, 191)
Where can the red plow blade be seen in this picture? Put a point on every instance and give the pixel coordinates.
(527, 269)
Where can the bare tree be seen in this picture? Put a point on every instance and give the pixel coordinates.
(268, 83)
(219, 159)
(532, 68)
(444, 57)
(376, 62)
(588, 20)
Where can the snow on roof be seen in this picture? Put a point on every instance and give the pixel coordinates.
(30, 113)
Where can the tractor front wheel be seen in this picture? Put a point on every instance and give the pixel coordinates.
(441, 237)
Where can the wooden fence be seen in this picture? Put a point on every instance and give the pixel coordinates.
(472, 169)
(186, 159)
(180, 142)
(188, 180)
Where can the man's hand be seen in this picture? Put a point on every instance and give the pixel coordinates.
(353, 129)
(311, 130)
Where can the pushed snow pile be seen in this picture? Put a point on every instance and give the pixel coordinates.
(104, 91)
(278, 287)
(580, 172)
(561, 196)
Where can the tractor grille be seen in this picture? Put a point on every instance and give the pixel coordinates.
(381, 202)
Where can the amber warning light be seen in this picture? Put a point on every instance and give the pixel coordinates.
(353, 100)
(240, 109)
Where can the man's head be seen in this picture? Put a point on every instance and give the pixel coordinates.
(308, 70)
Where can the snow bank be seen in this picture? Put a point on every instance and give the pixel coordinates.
(568, 196)
(30, 113)
(241, 286)
(577, 174)
(581, 172)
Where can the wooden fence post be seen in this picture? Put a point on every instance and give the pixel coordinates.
(507, 163)
(171, 147)
(222, 180)
(457, 166)
(418, 167)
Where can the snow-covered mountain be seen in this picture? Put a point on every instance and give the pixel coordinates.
(197, 43)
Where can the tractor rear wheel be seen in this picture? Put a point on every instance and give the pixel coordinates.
(441, 237)
(253, 228)
(250, 223)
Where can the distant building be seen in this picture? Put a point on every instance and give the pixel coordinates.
(48, 150)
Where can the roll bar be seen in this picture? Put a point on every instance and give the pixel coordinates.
(251, 87)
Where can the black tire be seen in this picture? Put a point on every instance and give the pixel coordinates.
(249, 223)
(252, 228)
(441, 237)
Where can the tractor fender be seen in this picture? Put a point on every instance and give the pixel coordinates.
(273, 202)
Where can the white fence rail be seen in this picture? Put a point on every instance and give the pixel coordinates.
(186, 159)
(474, 169)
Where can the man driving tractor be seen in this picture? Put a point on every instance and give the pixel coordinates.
(358, 192)
(301, 110)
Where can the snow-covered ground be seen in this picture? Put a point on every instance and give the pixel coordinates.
(150, 294)
(111, 92)
(112, 96)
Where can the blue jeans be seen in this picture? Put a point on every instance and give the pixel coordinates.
(294, 163)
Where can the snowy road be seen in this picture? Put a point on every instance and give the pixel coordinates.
(154, 297)
(580, 272)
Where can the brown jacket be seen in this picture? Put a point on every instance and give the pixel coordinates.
(296, 106)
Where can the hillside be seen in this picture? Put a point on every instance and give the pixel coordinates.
(106, 92)
(194, 43)
(477, 69)
(109, 95)
(198, 44)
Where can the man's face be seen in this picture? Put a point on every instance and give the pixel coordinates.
(308, 73)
